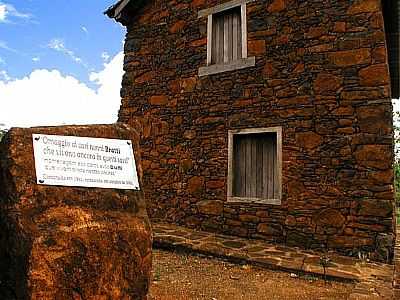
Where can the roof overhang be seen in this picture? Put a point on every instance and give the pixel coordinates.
(391, 14)
(124, 10)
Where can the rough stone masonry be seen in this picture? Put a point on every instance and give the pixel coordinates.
(321, 74)
(69, 242)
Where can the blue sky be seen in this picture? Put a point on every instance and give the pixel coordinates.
(30, 38)
(69, 44)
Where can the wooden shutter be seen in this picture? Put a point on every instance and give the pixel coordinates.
(255, 173)
(226, 36)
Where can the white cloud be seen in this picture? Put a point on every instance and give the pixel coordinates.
(105, 56)
(36, 59)
(3, 13)
(84, 29)
(58, 45)
(4, 76)
(8, 10)
(3, 45)
(47, 97)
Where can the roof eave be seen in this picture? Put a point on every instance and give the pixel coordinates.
(116, 11)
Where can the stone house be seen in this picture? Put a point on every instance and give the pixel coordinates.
(267, 119)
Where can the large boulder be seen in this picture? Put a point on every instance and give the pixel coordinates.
(70, 242)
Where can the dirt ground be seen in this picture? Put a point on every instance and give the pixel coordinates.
(180, 277)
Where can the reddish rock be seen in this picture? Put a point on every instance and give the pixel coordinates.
(177, 27)
(374, 156)
(327, 83)
(379, 54)
(374, 119)
(350, 242)
(249, 218)
(377, 21)
(210, 207)
(188, 84)
(267, 229)
(290, 221)
(268, 70)
(314, 32)
(199, 42)
(299, 68)
(350, 57)
(364, 6)
(195, 184)
(61, 242)
(343, 111)
(215, 184)
(276, 6)
(186, 165)
(308, 140)
(158, 100)
(374, 207)
(329, 217)
(295, 187)
(256, 47)
(145, 77)
(197, 3)
(374, 75)
(339, 27)
(189, 134)
(381, 177)
(175, 86)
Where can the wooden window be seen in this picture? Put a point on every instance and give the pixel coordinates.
(254, 171)
(226, 39)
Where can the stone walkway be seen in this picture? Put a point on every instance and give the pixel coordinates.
(396, 277)
(373, 280)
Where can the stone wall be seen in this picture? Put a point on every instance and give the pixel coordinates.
(321, 74)
(69, 242)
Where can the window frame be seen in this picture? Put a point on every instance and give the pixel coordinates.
(245, 61)
(230, 178)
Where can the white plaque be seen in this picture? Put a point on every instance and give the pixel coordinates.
(85, 162)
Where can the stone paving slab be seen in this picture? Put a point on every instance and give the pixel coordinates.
(373, 280)
(396, 276)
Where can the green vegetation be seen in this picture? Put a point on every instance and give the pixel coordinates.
(2, 133)
(396, 167)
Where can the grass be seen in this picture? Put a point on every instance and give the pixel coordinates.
(398, 216)
(157, 274)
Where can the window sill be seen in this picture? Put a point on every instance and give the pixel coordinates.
(231, 66)
(254, 200)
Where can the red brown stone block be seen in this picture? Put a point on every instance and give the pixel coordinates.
(210, 207)
(350, 57)
(329, 218)
(374, 119)
(374, 156)
(276, 6)
(308, 140)
(70, 242)
(372, 207)
(327, 83)
(178, 26)
(158, 100)
(339, 27)
(196, 184)
(374, 75)
(145, 77)
(256, 47)
(364, 6)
